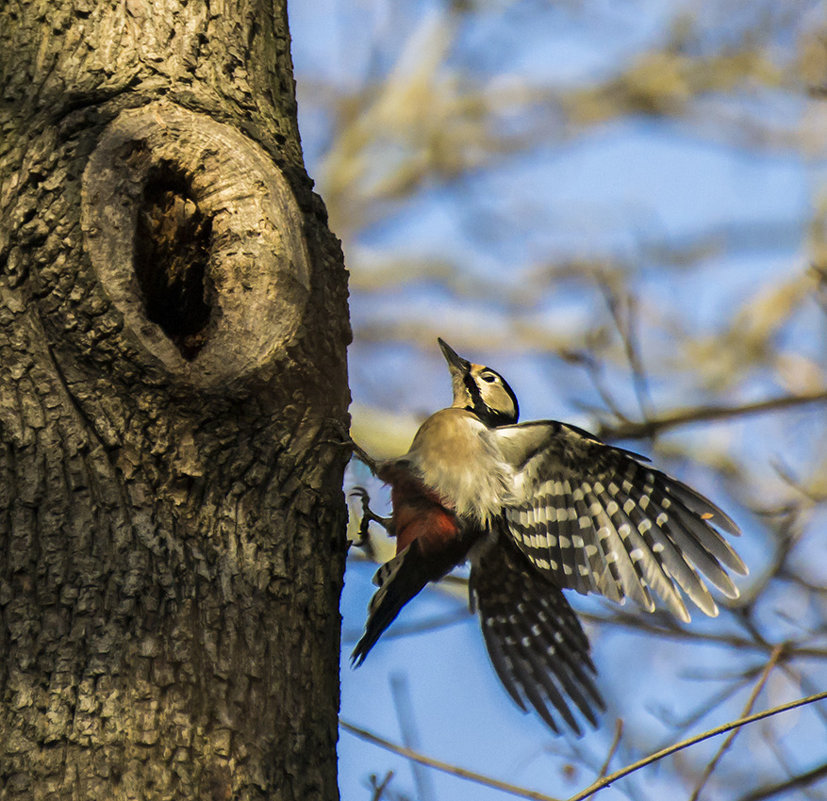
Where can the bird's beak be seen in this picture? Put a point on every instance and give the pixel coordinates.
(456, 363)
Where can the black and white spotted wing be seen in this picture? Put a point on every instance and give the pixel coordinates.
(534, 639)
(596, 519)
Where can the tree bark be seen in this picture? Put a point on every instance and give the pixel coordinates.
(173, 392)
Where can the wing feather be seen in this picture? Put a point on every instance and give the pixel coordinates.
(595, 519)
(675, 567)
(587, 565)
(534, 639)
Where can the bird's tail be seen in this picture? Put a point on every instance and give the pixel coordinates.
(534, 639)
(398, 580)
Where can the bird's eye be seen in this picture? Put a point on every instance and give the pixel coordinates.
(488, 377)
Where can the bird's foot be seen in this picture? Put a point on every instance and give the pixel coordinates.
(368, 517)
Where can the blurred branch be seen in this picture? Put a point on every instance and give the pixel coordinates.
(807, 686)
(593, 788)
(445, 767)
(410, 735)
(786, 536)
(703, 708)
(782, 788)
(431, 119)
(407, 629)
(668, 628)
(612, 748)
(699, 414)
(623, 307)
(765, 674)
(735, 724)
(659, 625)
(676, 253)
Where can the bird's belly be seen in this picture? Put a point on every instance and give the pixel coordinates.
(431, 524)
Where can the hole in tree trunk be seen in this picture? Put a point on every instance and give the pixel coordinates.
(172, 246)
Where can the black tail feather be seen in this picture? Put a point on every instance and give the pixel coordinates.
(399, 580)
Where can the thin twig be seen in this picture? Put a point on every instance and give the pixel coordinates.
(617, 303)
(595, 373)
(759, 685)
(379, 789)
(618, 774)
(612, 748)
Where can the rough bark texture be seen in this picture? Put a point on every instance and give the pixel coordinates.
(172, 388)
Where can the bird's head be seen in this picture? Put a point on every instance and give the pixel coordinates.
(481, 390)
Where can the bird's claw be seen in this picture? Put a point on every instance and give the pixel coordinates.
(368, 516)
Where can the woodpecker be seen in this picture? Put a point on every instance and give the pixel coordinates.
(539, 507)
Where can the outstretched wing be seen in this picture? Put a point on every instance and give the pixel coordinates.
(595, 519)
(533, 637)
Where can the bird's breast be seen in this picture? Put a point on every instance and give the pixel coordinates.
(455, 455)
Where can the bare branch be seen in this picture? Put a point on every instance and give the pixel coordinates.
(379, 788)
(445, 767)
(623, 309)
(793, 783)
(410, 734)
(593, 788)
(666, 627)
(612, 748)
(618, 774)
(699, 414)
(765, 674)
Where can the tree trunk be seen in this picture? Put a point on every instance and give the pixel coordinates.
(173, 326)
